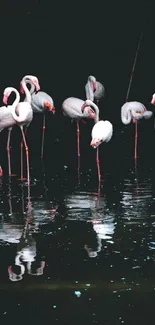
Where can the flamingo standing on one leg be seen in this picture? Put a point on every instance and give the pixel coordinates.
(94, 90)
(40, 102)
(71, 107)
(102, 131)
(134, 111)
(21, 114)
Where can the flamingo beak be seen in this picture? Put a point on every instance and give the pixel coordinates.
(21, 89)
(50, 107)
(94, 86)
(37, 87)
(83, 107)
(5, 99)
(96, 142)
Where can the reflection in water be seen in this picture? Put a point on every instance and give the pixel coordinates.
(89, 208)
(79, 246)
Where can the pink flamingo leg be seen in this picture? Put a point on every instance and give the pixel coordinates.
(27, 154)
(98, 165)
(78, 148)
(43, 136)
(8, 150)
(21, 159)
(136, 139)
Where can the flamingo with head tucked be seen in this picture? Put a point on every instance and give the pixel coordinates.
(71, 107)
(134, 111)
(40, 101)
(19, 113)
(94, 90)
(102, 131)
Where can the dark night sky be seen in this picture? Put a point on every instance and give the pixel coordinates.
(62, 42)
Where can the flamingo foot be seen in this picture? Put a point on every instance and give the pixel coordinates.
(12, 175)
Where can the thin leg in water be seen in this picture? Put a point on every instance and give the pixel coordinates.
(43, 136)
(8, 150)
(136, 139)
(98, 165)
(78, 148)
(27, 155)
(21, 158)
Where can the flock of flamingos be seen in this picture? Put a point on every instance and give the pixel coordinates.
(36, 101)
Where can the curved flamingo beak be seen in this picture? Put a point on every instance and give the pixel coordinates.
(21, 89)
(5, 99)
(50, 107)
(83, 107)
(95, 142)
(94, 85)
(37, 87)
(1, 171)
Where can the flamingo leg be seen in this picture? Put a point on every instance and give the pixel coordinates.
(8, 150)
(27, 154)
(43, 136)
(136, 139)
(98, 165)
(21, 158)
(78, 148)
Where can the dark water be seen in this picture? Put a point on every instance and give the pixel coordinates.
(80, 258)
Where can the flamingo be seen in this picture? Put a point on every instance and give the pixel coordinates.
(94, 89)
(40, 101)
(71, 107)
(134, 111)
(102, 131)
(19, 113)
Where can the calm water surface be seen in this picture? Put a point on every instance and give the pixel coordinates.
(70, 257)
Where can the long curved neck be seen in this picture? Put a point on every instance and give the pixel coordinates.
(26, 90)
(32, 89)
(126, 115)
(89, 91)
(96, 109)
(17, 99)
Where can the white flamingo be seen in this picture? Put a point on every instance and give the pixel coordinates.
(134, 111)
(40, 101)
(19, 113)
(102, 131)
(71, 107)
(94, 89)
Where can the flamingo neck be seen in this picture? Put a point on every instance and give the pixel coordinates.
(96, 109)
(17, 99)
(126, 116)
(89, 91)
(32, 89)
(26, 90)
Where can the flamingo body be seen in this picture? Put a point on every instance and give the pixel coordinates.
(102, 131)
(134, 110)
(38, 101)
(71, 107)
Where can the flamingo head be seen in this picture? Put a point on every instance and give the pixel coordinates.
(49, 107)
(87, 106)
(96, 142)
(6, 94)
(92, 80)
(153, 99)
(33, 79)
